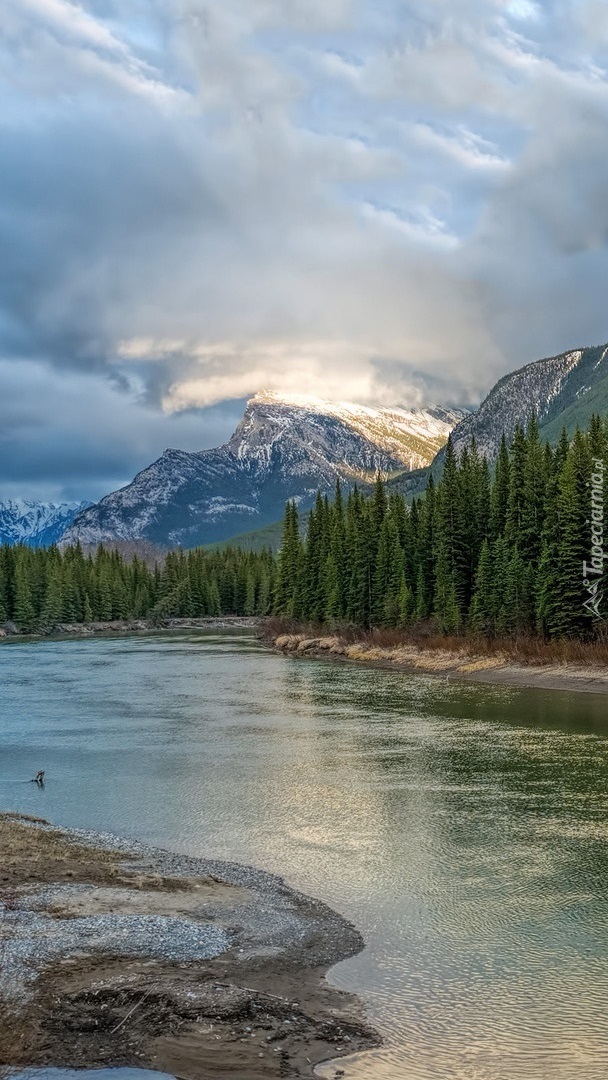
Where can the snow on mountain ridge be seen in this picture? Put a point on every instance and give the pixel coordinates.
(283, 448)
(36, 524)
(407, 434)
(428, 418)
(546, 387)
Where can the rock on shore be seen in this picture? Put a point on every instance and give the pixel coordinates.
(461, 663)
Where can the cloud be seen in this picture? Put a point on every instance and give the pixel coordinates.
(65, 435)
(366, 200)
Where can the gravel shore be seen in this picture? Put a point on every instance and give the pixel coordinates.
(114, 953)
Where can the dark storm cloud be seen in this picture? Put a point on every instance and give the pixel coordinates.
(65, 435)
(370, 200)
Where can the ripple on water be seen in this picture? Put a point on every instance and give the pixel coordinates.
(461, 828)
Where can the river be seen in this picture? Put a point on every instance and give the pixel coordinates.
(462, 828)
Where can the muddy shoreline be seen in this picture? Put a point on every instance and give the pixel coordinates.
(114, 953)
(463, 665)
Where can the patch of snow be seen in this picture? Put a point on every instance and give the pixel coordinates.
(35, 523)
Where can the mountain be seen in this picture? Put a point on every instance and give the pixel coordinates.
(35, 524)
(563, 390)
(283, 448)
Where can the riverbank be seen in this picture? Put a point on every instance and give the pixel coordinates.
(463, 663)
(117, 954)
(10, 631)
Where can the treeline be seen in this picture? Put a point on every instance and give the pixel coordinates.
(512, 550)
(496, 552)
(40, 589)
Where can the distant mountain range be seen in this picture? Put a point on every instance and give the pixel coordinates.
(35, 524)
(291, 447)
(283, 448)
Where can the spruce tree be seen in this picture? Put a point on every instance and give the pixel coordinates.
(52, 609)
(534, 485)
(481, 615)
(570, 618)
(289, 573)
(24, 611)
(451, 566)
(516, 500)
(500, 491)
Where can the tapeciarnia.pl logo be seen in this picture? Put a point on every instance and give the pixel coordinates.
(593, 571)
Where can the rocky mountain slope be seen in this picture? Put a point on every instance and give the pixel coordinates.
(35, 524)
(563, 390)
(283, 448)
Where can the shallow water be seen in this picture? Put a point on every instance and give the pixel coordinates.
(462, 828)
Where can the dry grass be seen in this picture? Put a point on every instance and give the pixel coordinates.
(527, 651)
(32, 855)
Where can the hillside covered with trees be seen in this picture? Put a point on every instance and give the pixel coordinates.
(486, 552)
(492, 554)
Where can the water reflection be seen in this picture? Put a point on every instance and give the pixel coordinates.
(462, 828)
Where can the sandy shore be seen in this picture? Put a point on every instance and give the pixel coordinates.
(112, 953)
(497, 670)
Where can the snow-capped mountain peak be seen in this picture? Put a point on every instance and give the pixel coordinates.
(408, 435)
(285, 447)
(36, 524)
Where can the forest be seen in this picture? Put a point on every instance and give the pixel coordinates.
(516, 549)
(493, 553)
(42, 588)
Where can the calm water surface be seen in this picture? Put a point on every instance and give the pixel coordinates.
(463, 829)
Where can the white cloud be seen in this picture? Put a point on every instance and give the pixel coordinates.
(461, 144)
(334, 197)
(524, 9)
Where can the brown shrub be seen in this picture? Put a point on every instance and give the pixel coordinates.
(521, 650)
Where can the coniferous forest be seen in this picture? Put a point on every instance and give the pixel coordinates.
(484, 551)
(42, 588)
(498, 553)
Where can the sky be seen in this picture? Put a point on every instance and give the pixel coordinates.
(385, 201)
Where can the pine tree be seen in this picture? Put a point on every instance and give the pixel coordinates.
(24, 612)
(289, 576)
(388, 574)
(427, 553)
(451, 564)
(500, 492)
(406, 604)
(534, 486)
(570, 618)
(359, 546)
(87, 610)
(481, 615)
(547, 594)
(52, 609)
(518, 617)
(501, 554)
(3, 587)
(516, 499)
